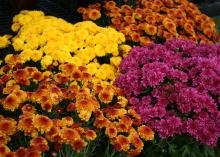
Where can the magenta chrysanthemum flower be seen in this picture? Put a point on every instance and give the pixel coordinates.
(175, 88)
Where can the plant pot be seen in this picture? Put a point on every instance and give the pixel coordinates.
(18, 5)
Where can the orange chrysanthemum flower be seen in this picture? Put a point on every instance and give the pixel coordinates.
(4, 139)
(61, 78)
(111, 132)
(67, 68)
(26, 124)
(76, 75)
(37, 76)
(150, 29)
(189, 28)
(101, 123)
(11, 102)
(136, 141)
(91, 135)
(33, 153)
(115, 113)
(7, 126)
(69, 135)
(78, 145)
(135, 36)
(81, 10)
(122, 143)
(53, 134)
(4, 150)
(122, 127)
(146, 133)
(109, 5)
(106, 95)
(40, 144)
(94, 14)
(42, 123)
(129, 19)
(21, 152)
(28, 108)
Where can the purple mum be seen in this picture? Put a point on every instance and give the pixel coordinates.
(175, 88)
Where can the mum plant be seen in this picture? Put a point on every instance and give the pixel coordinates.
(65, 114)
(49, 41)
(175, 88)
(144, 21)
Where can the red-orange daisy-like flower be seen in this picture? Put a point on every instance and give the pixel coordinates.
(78, 145)
(123, 143)
(91, 135)
(11, 102)
(4, 150)
(28, 108)
(150, 29)
(94, 14)
(111, 132)
(21, 152)
(40, 143)
(42, 123)
(146, 132)
(68, 135)
(7, 126)
(106, 96)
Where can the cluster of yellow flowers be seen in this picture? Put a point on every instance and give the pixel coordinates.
(52, 41)
(65, 108)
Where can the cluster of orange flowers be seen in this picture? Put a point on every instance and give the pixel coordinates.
(156, 20)
(48, 105)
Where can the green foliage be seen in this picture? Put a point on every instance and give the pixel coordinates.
(179, 146)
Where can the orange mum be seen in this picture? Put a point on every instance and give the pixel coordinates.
(42, 123)
(11, 102)
(78, 145)
(90, 135)
(111, 132)
(150, 29)
(106, 95)
(7, 126)
(69, 135)
(94, 14)
(122, 143)
(146, 133)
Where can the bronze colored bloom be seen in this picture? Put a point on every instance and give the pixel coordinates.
(4, 150)
(76, 75)
(101, 123)
(37, 76)
(150, 29)
(146, 133)
(81, 10)
(33, 153)
(94, 14)
(69, 135)
(106, 95)
(21, 152)
(123, 142)
(91, 135)
(78, 145)
(28, 108)
(136, 141)
(4, 140)
(42, 123)
(11, 102)
(7, 126)
(111, 131)
(40, 143)
(135, 36)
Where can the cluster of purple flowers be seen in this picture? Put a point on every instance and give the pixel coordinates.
(175, 87)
